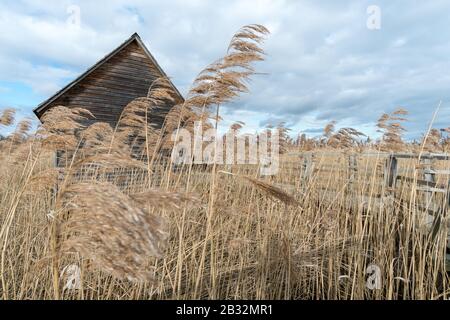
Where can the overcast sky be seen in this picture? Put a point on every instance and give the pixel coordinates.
(324, 62)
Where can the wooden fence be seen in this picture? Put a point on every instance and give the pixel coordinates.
(391, 173)
(427, 178)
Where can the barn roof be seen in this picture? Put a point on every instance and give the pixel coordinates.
(41, 108)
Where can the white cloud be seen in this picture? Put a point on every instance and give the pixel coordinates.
(322, 64)
(43, 79)
(400, 42)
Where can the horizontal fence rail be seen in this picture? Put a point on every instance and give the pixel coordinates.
(424, 177)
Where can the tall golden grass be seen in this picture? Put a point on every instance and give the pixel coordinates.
(149, 230)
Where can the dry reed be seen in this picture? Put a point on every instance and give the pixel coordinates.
(186, 232)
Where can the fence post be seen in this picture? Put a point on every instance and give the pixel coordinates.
(390, 172)
(352, 169)
(307, 168)
(448, 194)
(429, 176)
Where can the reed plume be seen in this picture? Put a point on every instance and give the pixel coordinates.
(284, 138)
(432, 142)
(345, 138)
(21, 132)
(7, 117)
(390, 125)
(268, 189)
(329, 129)
(226, 78)
(272, 191)
(100, 150)
(238, 125)
(141, 120)
(109, 228)
(60, 126)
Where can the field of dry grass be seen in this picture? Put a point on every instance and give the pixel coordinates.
(108, 226)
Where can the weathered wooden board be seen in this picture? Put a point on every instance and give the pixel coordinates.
(105, 89)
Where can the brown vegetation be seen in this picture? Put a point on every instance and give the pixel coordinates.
(147, 230)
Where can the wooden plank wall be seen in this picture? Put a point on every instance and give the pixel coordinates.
(108, 89)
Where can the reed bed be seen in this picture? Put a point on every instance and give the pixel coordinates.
(252, 246)
(118, 220)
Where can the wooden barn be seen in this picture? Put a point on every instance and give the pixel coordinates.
(107, 87)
